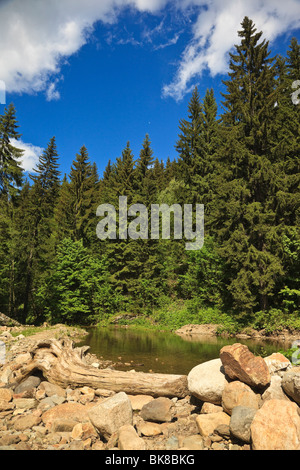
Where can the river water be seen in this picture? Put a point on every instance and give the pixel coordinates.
(162, 352)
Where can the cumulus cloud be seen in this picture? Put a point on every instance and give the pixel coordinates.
(215, 34)
(37, 37)
(30, 156)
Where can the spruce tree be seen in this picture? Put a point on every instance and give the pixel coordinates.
(170, 171)
(46, 179)
(125, 174)
(42, 201)
(11, 172)
(83, 191)
(147, 265)
(63, 211)
(145, 186)
(246, 222)
(189, 145)
(286, 188)
(12, 250)
(11, 176)
(251, 98)
(209, 142)
(158, 174)
(120, 252)
(293, 60)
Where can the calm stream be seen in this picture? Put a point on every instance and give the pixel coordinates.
(161, 352)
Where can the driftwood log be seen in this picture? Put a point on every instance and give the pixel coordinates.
(64, 365)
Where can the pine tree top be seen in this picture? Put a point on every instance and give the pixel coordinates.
(11, 172)
(293, 61)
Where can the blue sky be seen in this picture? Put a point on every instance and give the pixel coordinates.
(102, 75)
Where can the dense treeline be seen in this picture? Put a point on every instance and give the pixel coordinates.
(243, 165)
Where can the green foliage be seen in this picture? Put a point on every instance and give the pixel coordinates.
(176, 314)
(82, 200)
(77, 292)
(292, 354)
(205, 277)
(274, 320)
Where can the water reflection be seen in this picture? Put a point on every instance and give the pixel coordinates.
(162, 352)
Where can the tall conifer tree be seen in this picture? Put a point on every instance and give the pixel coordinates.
(11, 175)
(11, 172)
(83, 191)
(246, 221)
(42, 201)
(189, 145)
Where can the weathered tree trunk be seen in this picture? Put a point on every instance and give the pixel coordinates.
(63, 365)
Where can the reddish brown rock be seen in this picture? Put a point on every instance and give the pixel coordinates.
(240, 363)
(74, 411)
(276, 426)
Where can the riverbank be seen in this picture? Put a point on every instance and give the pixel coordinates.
(236, 402)
(20, 339)
(282, 336)
(211, 337)
(210, 323)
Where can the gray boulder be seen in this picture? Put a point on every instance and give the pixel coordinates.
(52, 389)
(158, 410)
(29, 384)
(111, 414)
(274, 391)
(240, 422)
(291, 384)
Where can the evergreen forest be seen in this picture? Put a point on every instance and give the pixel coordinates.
(242, 162)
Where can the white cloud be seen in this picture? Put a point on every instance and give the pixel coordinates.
(215, 34)
(171, 42)
(36, 37)
(30, 156)
(51, 92)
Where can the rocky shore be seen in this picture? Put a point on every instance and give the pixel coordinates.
(236, 402)
(283, 336)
